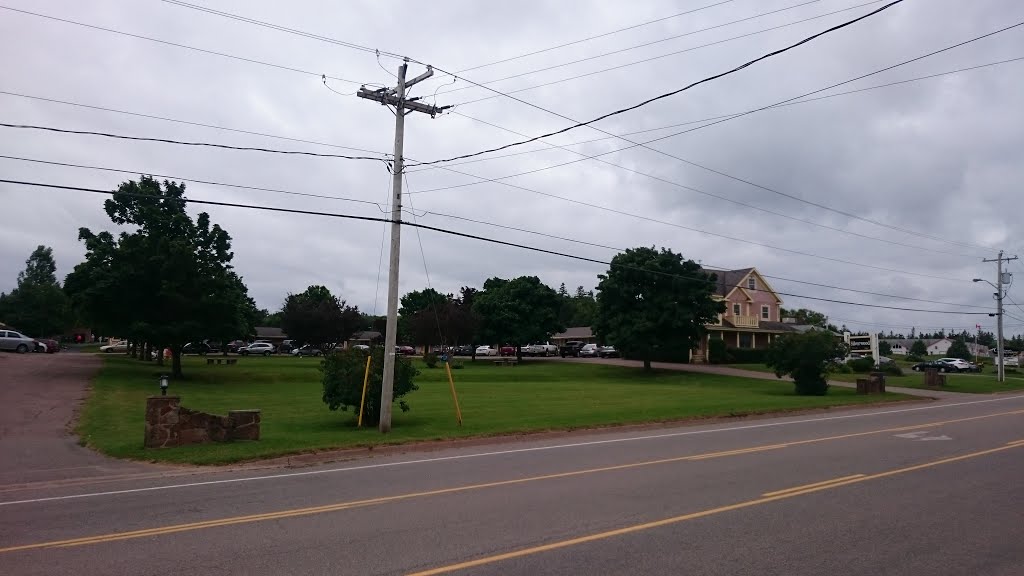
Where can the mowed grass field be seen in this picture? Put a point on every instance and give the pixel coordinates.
(535, 396)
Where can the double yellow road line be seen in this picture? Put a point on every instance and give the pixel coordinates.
(171, 529)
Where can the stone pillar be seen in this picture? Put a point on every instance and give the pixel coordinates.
(161, 421)
(245, 424)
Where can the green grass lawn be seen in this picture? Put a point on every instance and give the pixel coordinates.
(495, 400)
(984, 383)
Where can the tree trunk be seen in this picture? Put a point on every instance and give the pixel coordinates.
(647, 364)
(147, 352)
(133, 349)
(519, 353)
(176, 362)
(159, 355)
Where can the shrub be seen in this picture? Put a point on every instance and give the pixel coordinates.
(843, 369)
(807, 357)
(343, 381)
(914, 358)
(457, 365)
(718, 353)
(861, 365)
(892, 369)
(748, 355)
(430, 359)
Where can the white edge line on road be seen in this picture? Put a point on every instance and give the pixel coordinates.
(502, 452)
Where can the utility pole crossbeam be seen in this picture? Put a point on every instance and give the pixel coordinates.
(1000, 280)
(395, 97)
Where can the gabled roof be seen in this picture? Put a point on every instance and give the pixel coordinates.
(270, 332)
(366, 335)
(729, 280)
(575, 333)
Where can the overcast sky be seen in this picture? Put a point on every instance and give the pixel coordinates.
(943, 157)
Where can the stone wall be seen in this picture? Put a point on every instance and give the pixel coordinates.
(168, 423)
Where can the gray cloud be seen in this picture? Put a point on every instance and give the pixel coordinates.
(941, 156)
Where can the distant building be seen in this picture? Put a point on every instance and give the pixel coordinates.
(271, 334)
(580, 333)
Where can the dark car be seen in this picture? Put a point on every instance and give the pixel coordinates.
(571, 348)
(936, 364)
(608, 352)
(463, 351)
(287, 346)
(235, 345)
(507, 350)
(405, 350)
(47, 345)
(200, 348)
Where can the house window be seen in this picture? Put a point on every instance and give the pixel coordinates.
(765, 313)
(736, 310)
(752, 283)
(746, 340)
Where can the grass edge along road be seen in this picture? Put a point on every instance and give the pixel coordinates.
(766, 497)
(985, 383)
(532, 397)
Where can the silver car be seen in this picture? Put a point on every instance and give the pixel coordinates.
(16, 342)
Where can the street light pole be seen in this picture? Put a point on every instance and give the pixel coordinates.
(1000, 353)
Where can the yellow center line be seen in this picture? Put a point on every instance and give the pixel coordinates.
(814, 485)
(695, 515)
(291, 513)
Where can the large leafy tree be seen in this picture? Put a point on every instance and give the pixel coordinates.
(959, 349)
(806, 316)
(652, 300)
(517, 311)
(168, 280)
(432, 318)
(37, 306)
(318, 317)
(919, 348)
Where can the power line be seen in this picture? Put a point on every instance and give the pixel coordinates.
(185, 143)
(589, 38)
(660, 40)
(423, 254)
(187, 122)
(678, 90)
(185, 46)
(798, 97)
(463, 219)
(718, 196)
(453, 233)
(729, 115)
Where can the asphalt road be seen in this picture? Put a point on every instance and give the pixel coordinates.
(926, 488)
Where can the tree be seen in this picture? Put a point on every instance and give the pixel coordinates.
(343, 382)
(884, 348)
(37, 306)
(318, 317)
(919, 348)
(959, 349)
(806, 316)
(265, 317)
(807, 357)
(517, 311)
(652, 300)
(167, 281)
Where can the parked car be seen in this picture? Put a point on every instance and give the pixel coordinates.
(121, 347)
(588, 351)
(486, 351)
(307, 350)
(257, 349)
(235, 345)
(46, 346)
(541, 350)
(571, 348)
(287, 346)
(362, 347)
(463, 351)
(200, 348)
(507, 350)
(936, 364)
(959, 364)
(405, 350)
(1009, 360)
(608, 352)
(16, 342)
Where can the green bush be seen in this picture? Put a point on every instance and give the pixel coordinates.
(748, 355)
(457, 365)
(430, 359)
(718, 352)
(343, 381)
(843, 369)
(862, 365)
(892, 369)
(914, 358)
(807, 357)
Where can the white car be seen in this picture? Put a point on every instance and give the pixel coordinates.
(257, 349)
(541, 350)
(486, 351)
(121, 346)
(960, 364)
(1010, 361)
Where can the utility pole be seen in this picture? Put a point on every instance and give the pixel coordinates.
(396, 97)
(1000, 280)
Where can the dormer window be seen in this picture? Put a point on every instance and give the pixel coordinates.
(751, 283)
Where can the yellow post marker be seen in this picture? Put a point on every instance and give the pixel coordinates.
(362, 401)
(455, 397)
